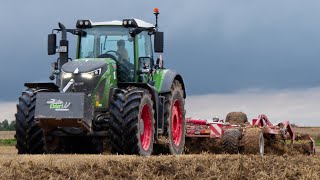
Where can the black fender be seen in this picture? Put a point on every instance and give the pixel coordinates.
(49, 86)
(155, 97)
(169, 77)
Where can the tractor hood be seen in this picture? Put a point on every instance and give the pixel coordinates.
(82, 66)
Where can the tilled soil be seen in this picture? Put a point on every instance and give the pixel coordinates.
(202, 166)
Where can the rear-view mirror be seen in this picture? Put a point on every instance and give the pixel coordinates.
(52, 44)
(158, 42)
(145, 64)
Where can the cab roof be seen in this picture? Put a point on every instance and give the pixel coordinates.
(140, 23)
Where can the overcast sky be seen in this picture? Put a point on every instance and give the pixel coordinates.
(220, 47)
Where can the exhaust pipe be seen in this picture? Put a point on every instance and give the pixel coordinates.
(63, 48)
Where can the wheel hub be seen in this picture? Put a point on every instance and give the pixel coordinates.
(176, 123)
(145, 127)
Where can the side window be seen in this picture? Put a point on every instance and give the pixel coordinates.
(144, 42)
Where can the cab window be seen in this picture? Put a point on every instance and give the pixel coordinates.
(144, 43)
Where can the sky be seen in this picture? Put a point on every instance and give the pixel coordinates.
(221, 48)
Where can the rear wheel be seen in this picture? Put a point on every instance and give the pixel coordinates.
(230, 141)
(29, 135)
(175, 119)
(132, 122)
(253, 141)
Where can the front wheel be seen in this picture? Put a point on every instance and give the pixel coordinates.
(132, 122)
(29, 135)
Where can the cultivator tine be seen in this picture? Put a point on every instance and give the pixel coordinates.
(308, 144)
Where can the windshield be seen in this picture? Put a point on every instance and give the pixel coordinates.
(100, 40)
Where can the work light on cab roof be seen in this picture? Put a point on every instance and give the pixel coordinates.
(84, 24)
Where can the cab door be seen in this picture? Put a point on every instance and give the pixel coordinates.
(144, 51)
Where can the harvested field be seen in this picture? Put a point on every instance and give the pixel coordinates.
(7, 134)
(201, 166)
(314, 132)
(193, 166)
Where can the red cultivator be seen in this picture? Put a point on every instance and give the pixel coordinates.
(251, 138)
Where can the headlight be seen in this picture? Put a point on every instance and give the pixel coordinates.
(90, 75)
(66, 75)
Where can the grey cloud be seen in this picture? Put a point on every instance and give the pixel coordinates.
(299, 106)
(218, 46)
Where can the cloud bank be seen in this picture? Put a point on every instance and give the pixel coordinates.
(300, 106)
(7, 110)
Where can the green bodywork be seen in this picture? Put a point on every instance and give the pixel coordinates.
(158, 77)
(110, 79)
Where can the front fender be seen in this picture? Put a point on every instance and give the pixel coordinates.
(167, 82)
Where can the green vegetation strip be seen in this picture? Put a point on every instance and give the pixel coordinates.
(7, 142)
(317, 142)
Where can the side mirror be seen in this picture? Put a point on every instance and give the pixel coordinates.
(145, 65)
(158, 42)
(52, 44)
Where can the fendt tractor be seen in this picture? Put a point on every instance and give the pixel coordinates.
(113, 95)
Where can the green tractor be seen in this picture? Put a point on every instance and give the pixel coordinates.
(113, 96)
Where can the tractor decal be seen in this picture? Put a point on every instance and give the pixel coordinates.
(58, 105)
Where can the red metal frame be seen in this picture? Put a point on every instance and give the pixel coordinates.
(212, 129)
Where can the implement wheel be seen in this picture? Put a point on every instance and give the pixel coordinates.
(230, 141)
(253, 141)
(237, 118)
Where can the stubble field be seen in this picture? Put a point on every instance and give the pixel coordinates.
(200, 166)
(203, 166)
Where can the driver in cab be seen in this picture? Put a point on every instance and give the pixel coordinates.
(122, 50)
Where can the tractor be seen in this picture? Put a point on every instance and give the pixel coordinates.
(114, 95)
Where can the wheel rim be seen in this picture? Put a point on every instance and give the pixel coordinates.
(261, 145)
(176, 121)
(145, 127)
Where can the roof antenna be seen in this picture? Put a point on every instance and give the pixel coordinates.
(156, 12)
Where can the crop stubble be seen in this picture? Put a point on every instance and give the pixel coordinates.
(156, 167)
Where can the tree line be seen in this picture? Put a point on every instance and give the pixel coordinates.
(6, 126)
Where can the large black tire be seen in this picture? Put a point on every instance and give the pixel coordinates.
(174, 111)
(132, 122)
(230, 141)
(253, 141)
(29, 135)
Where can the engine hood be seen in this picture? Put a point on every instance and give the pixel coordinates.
(82, 66)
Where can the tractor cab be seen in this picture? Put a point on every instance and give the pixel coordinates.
(127, 46)
(126, 43)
